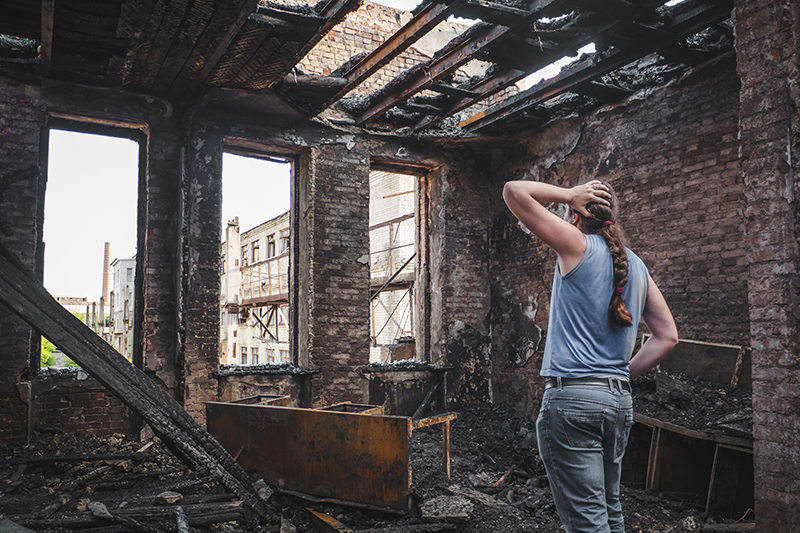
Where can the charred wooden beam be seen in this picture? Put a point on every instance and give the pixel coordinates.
(332, 13)
(597, 65)
(444, 88)
(26, 297)
(484, 90)
(440, 67)
(317, 81)
(232, 20)
(46, 54)
(400, 41)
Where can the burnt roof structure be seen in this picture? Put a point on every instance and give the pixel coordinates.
(185, 49)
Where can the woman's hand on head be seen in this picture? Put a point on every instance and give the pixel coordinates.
(586, 193)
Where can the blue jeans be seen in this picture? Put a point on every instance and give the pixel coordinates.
(582, 432)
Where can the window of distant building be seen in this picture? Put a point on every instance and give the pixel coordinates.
(256, 251)
(271, 246)
(244, 255)
(244, 355)
(284, 241)
(254, 355)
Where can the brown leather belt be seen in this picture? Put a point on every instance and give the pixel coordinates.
(611, 383)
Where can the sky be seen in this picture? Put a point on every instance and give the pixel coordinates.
(91, 199)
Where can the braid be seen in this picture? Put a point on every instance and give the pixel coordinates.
(604, 224)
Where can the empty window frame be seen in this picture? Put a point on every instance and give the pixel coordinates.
(94, 171)
(256, 195)
(395, 289)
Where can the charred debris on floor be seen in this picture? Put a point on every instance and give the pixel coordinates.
(68, 482)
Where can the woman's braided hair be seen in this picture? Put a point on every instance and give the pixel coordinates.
(605, 224)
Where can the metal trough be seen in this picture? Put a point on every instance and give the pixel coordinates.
(331, 454)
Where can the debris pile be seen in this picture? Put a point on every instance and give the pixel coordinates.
(694, 403)
(84, 483)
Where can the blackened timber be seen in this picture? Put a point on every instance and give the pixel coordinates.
(26, 297)
(191, 30)
(414, 29)
(579, 72)
(46, 54)
(333, 13)
(595, 66)
(453, 91)
(220, 47)
(484, 89)
(437, 69)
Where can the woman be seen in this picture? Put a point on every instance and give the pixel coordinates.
(600, 292)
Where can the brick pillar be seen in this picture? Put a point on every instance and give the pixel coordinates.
(21, 204)
(338, 293)
(202, 212)
(159, 223)
(766, 41)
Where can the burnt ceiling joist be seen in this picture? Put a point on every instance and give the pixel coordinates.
(185, 48)
(622, 33)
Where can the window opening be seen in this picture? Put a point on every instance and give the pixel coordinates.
(90, 219)
(255, 293)
(393, 235)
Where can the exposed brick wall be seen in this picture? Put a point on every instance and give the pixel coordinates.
(202, 197)
(459, 210)
(767, 36)
(81, 410)
(338, 314)
(159, 269)
(20, 228)
(672, 159)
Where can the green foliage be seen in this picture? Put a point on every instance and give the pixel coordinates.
(46, 357)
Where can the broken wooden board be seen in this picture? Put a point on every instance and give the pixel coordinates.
(27, 297)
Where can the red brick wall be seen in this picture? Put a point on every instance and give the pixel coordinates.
(80, 410)
(673, 160)
(767, 36)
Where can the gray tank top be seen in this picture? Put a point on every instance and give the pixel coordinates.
(580, 339)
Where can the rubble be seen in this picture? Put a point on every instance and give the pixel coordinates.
(497, 484)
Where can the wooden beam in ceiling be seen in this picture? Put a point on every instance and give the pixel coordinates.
(222, 28)
(396, 44)
(46, 53)
(597, 65)
(439, 68)
(333, 12)
(579, 72)
(483, 90)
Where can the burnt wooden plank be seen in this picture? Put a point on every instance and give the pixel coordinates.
(250, 39)
(190, 30)
(334, 12)
(221, 31)
(175, 15)
(26, 297)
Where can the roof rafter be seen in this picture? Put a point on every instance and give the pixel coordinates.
(597, 65)
(439, 68)
(396, 44)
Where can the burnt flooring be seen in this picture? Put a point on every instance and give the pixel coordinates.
(58, 481)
